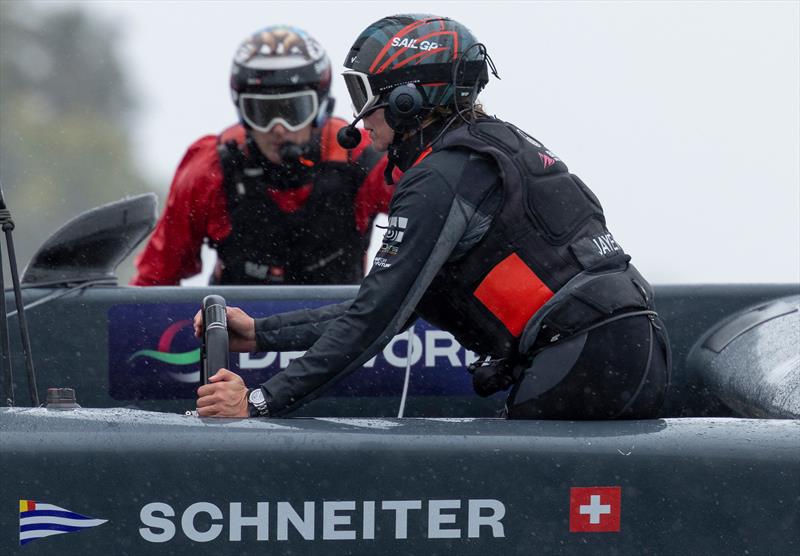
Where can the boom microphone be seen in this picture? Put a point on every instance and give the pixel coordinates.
(292, 151)
(214, 353)
(349, 137)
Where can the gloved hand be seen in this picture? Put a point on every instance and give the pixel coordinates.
(491, 376)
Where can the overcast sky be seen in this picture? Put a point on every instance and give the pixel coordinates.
(683, 117)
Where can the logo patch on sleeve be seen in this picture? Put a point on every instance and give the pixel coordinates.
(391, 240)
(395, 230)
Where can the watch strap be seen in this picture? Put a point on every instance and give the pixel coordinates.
(259, 409)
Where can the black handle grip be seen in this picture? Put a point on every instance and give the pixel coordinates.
(214, 354)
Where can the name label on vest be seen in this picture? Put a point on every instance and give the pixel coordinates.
(592, 250)
(605, 244)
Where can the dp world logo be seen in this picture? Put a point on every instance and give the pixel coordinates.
(153, 354)
(152, 351)
(165, 352)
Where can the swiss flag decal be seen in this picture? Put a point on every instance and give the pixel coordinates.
(594, 509)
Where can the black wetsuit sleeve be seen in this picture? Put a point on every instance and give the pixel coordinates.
(426, 222)
(296, 330)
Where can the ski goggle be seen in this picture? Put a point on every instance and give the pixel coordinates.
(293, 110)
(361, 93)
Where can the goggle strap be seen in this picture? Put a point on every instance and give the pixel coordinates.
(469, 73)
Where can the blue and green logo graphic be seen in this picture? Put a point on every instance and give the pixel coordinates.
(164, 351)
(152, 351)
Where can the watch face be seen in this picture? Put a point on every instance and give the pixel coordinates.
(256, 396)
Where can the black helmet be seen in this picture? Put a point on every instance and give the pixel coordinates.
(413, 63)
(280, 74)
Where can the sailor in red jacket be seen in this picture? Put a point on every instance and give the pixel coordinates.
(275, 195)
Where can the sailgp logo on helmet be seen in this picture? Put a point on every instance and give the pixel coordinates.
(412, 43)
(437, 53)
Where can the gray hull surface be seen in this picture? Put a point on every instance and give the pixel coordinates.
(171, 484)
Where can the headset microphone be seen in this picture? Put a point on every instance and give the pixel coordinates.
(349, 137)
(292, 151)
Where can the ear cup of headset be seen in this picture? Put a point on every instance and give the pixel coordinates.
(404, 105)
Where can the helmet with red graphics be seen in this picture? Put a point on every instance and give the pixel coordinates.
(280, 74)
(410, 63)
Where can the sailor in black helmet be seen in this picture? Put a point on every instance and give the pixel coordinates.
(490, 238)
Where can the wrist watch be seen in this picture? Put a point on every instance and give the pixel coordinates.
(257, 403)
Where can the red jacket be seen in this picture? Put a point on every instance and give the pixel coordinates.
(196, 207)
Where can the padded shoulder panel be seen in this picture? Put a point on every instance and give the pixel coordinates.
(499, 134)
(559, 204)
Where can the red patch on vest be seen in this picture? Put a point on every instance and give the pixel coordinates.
(513, 293)
(290, 200)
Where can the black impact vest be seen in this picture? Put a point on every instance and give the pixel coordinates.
(547, 249)
(316, 244)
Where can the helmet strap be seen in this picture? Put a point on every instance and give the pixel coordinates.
(406, 147)
(393, 155)
(325, 111)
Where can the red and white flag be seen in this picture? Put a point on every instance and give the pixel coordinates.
(595, 509)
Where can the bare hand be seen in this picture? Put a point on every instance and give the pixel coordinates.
(241, 329)
(224, 396)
